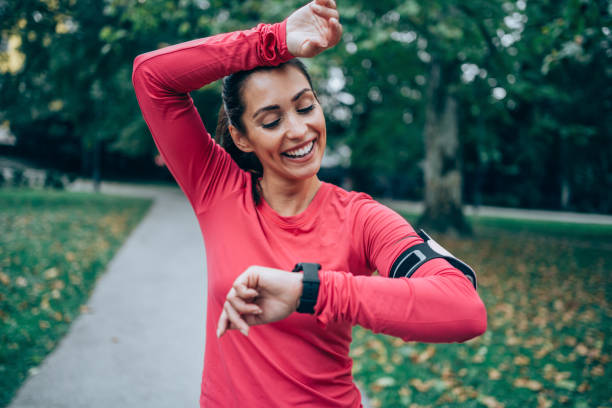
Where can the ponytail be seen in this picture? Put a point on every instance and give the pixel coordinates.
(246, 161)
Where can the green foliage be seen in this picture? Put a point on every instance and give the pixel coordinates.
(546, 288)
(53, 247)
(532, 80)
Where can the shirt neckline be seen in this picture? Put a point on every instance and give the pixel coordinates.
(300, 219)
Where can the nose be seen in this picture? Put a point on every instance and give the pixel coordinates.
(297, 127)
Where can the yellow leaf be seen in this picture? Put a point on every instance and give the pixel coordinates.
(494, 374)
(58, 284)
(527, 383)
(489, 401)
(543, 402)
(581, 349)
(570, 341)
(4, 278)
(521, 360)
(420, 385)
(51, 273)
(425, 355)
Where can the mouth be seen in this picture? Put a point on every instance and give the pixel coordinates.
(300, 152)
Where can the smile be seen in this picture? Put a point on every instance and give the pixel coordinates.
(301, 152)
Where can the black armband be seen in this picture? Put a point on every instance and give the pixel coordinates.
(411, 259)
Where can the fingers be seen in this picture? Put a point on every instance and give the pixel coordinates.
(233, 319)
(222, 324)
(234, 307)
(335, 31)
(324, 11)
(244, 292)
(326, 3)
(242, 307)
(310, 48)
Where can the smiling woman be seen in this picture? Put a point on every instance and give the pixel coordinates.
(273, 101)
(290, 259)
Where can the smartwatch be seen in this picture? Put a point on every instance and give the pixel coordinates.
(310, 290)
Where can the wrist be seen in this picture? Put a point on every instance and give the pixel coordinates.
(310, 284)
(299, 278)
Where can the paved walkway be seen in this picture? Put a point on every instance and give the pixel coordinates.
(142, 342)
(516, 213)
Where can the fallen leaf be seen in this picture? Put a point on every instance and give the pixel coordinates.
(521, 360)
(4, 278)
(489, 401)
(51, 273)
(494, 374)
(543, 402)
(581, 349)
(527, 383)
(420, 385)
(425, 355)
(584, 387)
(385, 382)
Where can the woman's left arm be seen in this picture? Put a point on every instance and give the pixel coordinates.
(436, 304)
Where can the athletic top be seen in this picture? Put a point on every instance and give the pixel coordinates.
(303, 360)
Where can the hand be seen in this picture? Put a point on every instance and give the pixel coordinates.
(260, 295)
(313, 28)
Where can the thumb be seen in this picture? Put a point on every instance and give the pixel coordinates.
(311, 48)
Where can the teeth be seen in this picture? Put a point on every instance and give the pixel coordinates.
(302, 151)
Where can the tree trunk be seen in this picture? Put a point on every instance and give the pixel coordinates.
(443, 201)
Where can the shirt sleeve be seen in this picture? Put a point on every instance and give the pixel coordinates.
(437, 304)
(162, 81)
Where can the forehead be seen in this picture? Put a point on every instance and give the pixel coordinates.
(273, 87)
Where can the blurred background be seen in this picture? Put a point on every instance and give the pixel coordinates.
(528, 85)
(445, 102)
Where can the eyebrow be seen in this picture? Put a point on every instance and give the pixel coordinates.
(275, 107)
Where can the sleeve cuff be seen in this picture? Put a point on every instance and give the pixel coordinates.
(321, 311)
(273, 43)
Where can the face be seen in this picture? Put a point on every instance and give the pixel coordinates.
(284, 124)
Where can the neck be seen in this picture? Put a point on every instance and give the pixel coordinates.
(289, 198)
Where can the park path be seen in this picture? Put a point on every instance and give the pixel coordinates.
(142, 341)
(514, 213)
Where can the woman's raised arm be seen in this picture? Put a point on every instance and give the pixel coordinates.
(163, 78)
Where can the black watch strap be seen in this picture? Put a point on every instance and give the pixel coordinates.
(311, 282)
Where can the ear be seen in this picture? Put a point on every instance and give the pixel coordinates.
(240, 140)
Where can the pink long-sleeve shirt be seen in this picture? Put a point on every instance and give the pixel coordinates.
(302, 360)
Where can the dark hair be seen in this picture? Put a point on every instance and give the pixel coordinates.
(231, 113)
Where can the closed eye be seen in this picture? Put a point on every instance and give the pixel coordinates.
(271, 125)
(306, 109)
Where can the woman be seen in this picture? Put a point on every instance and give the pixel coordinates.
(262, 210)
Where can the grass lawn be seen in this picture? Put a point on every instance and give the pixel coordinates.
(53, 247)
(547, 287)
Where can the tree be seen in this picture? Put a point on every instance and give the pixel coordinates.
(508, 87)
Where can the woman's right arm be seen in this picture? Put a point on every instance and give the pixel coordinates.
(162, 80)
